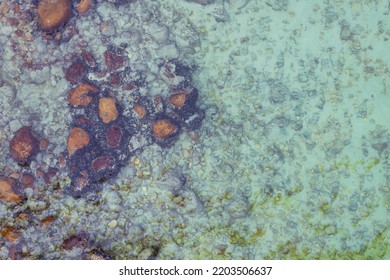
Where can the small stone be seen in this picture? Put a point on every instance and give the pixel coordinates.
(27, 180)
(43, 144)
(80, 96)
(107, 109)
(114, 136)
(78, 138)
(6, 193)
(84, 6)
(24, 146)
(48, 221)
(140, 110)
(345, 33)
(37, 206)
(163, 128)
(103, 163)
(52, 14)
(10, 234)
(76, 72)
(113, 61)
(49, 175)
(14, 125)
(112, 224)
(89, 59)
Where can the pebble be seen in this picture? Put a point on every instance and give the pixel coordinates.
(163, 128)
(84, 6)
(10, 234)
(79, 96)
(77, 139)
(24, 145)
(53, 13)
(6, 192)
(107, 109)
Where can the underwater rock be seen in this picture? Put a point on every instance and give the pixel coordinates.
(113, 60)
(52, 14)
(7, 194)
(76, 72)
(103, 137)
(78, 138)
(107, 109)
(165, 131)
(203, 2)
(27, 180)
(84, 6)
(114, 136)
(80, 96)
(75, 241)
(10, 234)
(24, 146)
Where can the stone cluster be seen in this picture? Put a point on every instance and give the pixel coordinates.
(104, 134)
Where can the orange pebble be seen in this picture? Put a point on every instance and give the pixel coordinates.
(53, 13)
(178, 99)
(6, 192)
(23, 216)
(140, 110)
(84, 6)
(10, 234)
(79, 95)
(77, 139)
(107, 109)
(24, 145)
(48, 221)
(163, 128)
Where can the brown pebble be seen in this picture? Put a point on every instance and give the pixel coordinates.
(24, 145)
(79, 240)
(89, 59)
(7, 194)
(44, 144)
(114, 136)
(50, 174)
(178, 99)
(27, 180)
(10, 234)
(107, 109)
(76, 72)
(103, 163)
(78, 138)
(48, 221)
(39, 172)
(163, 128)
(14, 175)
(79, 95)
(140, 110)
(113, 61)
(84, 6)
(52, 14)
